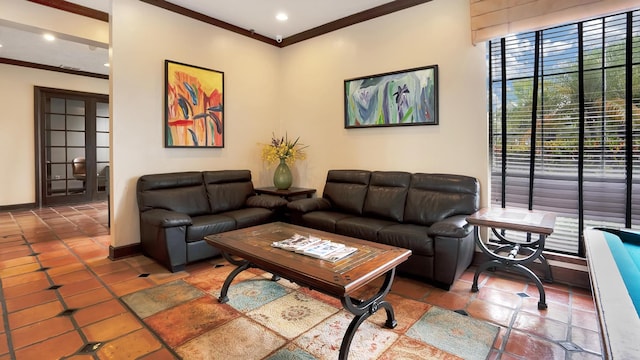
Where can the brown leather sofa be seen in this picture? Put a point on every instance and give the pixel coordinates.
(177, 210)
(422, 212)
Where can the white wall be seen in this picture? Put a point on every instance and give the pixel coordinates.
(17, 178)
(17, 144)
(142, 37)
(297, 90)
(65, 25)
(312, 95)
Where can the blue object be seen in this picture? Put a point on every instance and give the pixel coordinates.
(625, 248)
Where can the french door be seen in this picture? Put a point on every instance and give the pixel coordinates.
(72, 146)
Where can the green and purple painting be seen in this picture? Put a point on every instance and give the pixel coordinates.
(407, 97)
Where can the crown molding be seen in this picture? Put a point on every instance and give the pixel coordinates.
(362, 16)
(74, 8)
(51, 68)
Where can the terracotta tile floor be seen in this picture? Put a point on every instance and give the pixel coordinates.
(60, 297)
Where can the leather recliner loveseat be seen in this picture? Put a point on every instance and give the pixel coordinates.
(422, 212)
(177, 210)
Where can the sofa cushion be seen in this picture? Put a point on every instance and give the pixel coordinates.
(227, 189)
(209, 224)
(200, 250)
(407, 236)
(346, 190)
(324, 220)
(249, 216)
(266, 201)
(387, 195)
(434, 197)
(308, 205)
(181, 192)
(361, 227)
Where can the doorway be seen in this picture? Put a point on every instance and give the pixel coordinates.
(72, 146)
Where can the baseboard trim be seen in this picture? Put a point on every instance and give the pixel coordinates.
(27, 206)
(120, 252)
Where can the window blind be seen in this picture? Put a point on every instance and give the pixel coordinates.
(565, 126)
(491, 19)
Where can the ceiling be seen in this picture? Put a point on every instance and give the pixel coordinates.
(259, 16)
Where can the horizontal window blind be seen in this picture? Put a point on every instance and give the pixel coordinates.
(581, 158)
(492, 19)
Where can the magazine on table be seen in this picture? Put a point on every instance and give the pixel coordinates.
(340, 253)
(297, 242)
(321, 249)
(315, 247)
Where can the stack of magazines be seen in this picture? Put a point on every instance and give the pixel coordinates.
(315, 247)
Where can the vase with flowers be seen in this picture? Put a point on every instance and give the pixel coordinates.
(284, 152)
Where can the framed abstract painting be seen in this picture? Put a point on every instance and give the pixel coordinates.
(406, 97)
(194, 106)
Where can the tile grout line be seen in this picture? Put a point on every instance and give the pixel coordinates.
(584, 324)
(59, 296)
(116, 296)
(104, 285)
(5, 321)
(5, 311)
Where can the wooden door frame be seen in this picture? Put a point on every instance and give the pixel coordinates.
(39, 106)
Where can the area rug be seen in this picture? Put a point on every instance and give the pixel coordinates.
(272, 320)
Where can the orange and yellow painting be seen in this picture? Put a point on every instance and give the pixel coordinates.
(194, 99)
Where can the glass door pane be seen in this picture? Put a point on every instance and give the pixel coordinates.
(102, 146)
(65, 152)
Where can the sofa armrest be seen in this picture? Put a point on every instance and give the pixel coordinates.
(271, 202)
(165, 218)
(307, 205)
(454, 226)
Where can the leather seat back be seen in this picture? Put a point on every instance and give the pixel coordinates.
(434, 197)
(346, 190)
(228, 189)
(387, 195)
(182, 192)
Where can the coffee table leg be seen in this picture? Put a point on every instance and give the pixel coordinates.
(363, 309)
(242, 266)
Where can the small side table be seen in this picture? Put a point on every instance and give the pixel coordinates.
(515, 254)
(287, 194)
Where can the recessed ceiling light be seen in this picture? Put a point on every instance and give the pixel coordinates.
(49, 37)
(107, 64)
(282, 17)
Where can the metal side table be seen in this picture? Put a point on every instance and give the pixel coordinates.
(512, 254)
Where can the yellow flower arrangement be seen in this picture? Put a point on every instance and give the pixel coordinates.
(283, 149)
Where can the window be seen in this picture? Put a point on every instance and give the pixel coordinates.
(565, 125)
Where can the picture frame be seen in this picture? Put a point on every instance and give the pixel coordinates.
(399, 98)
(194, 106)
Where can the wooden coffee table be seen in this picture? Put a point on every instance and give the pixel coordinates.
(341, 279)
